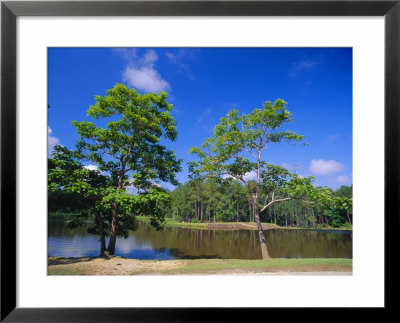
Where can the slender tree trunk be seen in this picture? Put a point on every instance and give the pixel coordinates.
(113, 233)
(249, 212)
(263, 242)
(237, 210)
(230, 209)
(314, 219)
(348, 217)
(114, 210)
(215, 212)
(326, 220)
(102, 236)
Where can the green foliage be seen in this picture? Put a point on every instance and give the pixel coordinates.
(66, 173)
(128, 152)
(225, 155)
(344, 204)
(344, 191)
(131, 139)
(226, 152)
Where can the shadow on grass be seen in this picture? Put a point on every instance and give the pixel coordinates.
(68, 261)
(200, 257)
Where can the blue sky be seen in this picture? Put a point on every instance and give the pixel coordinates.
(205, 83)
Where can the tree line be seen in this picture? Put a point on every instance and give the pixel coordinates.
(209, 200)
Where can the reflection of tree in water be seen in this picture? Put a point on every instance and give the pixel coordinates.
(309, 244)
(193, 243)
(60, 228)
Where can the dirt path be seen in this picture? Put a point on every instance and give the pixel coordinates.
(115, 266)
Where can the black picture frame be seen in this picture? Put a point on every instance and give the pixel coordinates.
(10, 10)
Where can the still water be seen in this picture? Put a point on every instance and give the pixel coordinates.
(183, 243)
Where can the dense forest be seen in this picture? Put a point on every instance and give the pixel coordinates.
(214, 201)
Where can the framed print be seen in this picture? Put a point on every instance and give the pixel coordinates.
(345, 55)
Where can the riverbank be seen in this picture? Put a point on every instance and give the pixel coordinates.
(118, 266)
(236, 225)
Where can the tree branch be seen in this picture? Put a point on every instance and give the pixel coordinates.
(275, 201)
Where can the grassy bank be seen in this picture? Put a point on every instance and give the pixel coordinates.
(235, 225)
(123, 266)
(172, 222)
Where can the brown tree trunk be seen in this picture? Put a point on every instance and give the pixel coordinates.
(249, 212)
(237, 210)
(314, 219)
(102, 236)
(114, 210)
(113, 233)
(348, 217)
(215, 212)
(263, 242)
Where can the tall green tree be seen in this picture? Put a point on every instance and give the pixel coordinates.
(236, 150)
(128, 148)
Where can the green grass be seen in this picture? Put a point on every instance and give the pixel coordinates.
(272, 265)
(319, 228)
(172, 222)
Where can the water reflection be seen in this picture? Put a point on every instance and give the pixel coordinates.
(184, 243)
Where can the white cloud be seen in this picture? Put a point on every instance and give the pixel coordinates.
(325, 167)
(171, 56)
(295, 168)
(332, 138)
(250, 176)
(302, 65)
(158, 184)
(247, 177)
(343, 179)
(146, 79)
(129, 54)
(149, 58)
(141, 73)
(51, 141)
(179, 57)
(91, 167)
(130, 189)
(204, 114)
